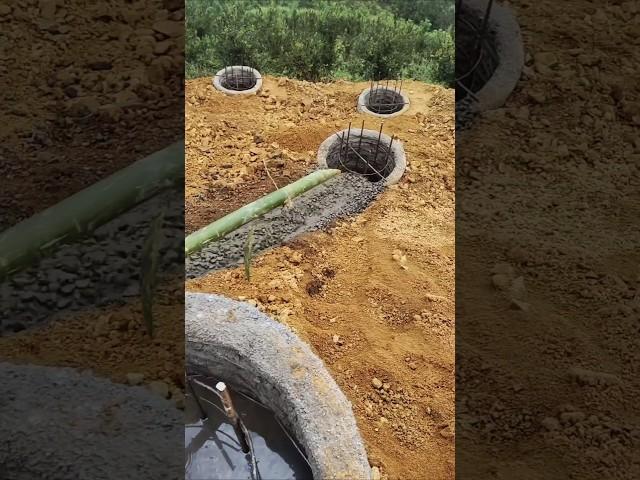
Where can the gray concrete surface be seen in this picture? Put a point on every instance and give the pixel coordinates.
(59, 424)
(338, 198)
(242, 346)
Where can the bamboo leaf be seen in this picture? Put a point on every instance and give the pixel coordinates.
(221, 227)
(149, 270)
(248, 255)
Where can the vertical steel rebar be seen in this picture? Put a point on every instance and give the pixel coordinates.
(361, 135)
(201, 410)
(232, 414)
(386, 158)
(483, 28)
(375, 156)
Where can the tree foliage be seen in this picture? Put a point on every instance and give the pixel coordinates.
(323, 39)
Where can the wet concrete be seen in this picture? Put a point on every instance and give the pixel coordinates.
(338, 198)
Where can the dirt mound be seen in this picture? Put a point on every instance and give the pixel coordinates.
(88, 89)
(372, 296)
(547, 291)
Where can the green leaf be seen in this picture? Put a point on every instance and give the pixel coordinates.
(149, 270)
(248, 255)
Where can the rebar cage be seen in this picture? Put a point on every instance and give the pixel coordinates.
(476, 56)
(384, 100)
(358, 153)
(238, 78)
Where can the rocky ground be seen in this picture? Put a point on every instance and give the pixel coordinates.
(373, 295)
(547, 243)
(86, 90)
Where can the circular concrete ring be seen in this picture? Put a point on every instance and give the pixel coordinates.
(60, 423)
(396, 149)
(219, 76)
(510, 50)
(237, 343)
(363, 101)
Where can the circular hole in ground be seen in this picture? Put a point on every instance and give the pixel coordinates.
(384, 101)
(212, 447)
(238, 78)
(476, 54)
(366, 155)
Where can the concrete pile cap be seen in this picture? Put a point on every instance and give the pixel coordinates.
(237, 343)
(59, 423)
(362, 103)
(397, 150)
(217, 82)
(510, 50)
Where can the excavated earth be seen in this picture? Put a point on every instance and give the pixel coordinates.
(548, 286)
(87, 90)
(372, 294)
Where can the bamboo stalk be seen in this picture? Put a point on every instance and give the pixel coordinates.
(218, 229)
(86, 210)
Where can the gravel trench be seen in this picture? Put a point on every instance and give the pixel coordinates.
(99, 270)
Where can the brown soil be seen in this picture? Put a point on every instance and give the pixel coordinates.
(85, 92)
(547, 276)
(112, 342)
(372, 296)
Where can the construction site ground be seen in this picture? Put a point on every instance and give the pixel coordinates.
(374, 294)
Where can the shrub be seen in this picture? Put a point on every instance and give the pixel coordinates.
(319, 39)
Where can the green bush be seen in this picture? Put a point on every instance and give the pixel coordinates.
(322, 39)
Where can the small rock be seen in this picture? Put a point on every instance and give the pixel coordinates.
(159, 388)
(518, 291)
(376, 383)
(550, 423)
(500, 281)
(375, 473)
(169, 28)
(519, 305)
(295, 258)
(4, 10)
(135, 378)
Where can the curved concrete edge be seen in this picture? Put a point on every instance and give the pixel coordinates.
(510, 49)
(244, 347)
(218, 85)
(60, 423)
(396, 148)
(362, 105)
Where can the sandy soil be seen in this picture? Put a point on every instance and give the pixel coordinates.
(547, 243)
(369, 313)
(113, 342)
(86, 90)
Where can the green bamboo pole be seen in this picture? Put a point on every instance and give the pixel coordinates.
(229, 223)
(86, 210)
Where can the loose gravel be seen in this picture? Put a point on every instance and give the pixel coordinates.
(99, 270)
(340, 197)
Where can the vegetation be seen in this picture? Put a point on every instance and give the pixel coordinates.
(234, 220)
(320, 40)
